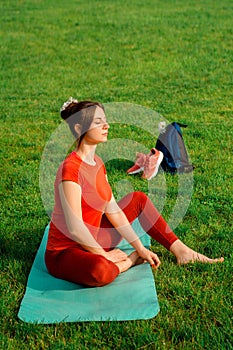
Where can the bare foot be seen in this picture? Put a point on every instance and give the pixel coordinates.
(132, 260)
(193, 256)
(184, 254)
(136, 259)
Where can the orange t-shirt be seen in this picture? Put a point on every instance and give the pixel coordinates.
(96, 193)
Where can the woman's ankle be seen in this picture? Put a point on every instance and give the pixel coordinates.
(179, 248)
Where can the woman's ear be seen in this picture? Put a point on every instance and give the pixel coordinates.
(78, 129)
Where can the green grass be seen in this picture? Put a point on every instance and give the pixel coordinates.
(174, 57)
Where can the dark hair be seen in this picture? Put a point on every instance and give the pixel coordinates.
(80, 113)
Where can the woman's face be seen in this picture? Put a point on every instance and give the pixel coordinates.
(98, 131)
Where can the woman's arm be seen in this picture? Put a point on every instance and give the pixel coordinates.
(119, 220)
(70, 196)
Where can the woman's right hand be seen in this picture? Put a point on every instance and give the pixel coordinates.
(116, 255)
(150, 257)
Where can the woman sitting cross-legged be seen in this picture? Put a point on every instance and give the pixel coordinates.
(87, 223)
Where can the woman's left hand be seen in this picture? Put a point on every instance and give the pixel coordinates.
(150, 257)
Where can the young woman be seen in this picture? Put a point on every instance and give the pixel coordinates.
(87, 223)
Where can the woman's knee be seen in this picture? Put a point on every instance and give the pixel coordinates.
(140, 196)
(133, 197)
(140, 199)
(102, 272)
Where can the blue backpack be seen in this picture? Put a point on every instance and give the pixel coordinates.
(170, 142)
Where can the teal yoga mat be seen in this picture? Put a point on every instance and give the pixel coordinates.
(132, 296)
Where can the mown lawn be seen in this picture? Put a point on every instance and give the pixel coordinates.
(173, 57)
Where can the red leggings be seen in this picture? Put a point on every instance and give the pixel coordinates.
(82, 267)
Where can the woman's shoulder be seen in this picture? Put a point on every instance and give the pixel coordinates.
(72, 159)
(70, 166)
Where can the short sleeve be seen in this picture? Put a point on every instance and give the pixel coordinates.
(70, 172)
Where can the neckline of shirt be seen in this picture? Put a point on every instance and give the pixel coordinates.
(83, 161)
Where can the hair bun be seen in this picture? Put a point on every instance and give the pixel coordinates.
(68, 103)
